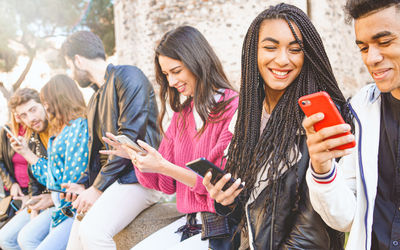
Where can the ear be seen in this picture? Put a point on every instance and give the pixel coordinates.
(79, 62)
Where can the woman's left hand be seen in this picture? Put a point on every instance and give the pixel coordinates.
(152, 162)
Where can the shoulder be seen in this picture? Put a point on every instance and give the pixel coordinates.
(130, 75)
(77, 125)
(366, 95)
(233, 96)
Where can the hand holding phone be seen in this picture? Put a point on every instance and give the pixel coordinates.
(58, 191)
(202, 166)
(123, 139)
(11, 135)
(321, 102)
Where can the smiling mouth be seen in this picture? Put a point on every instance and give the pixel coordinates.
(280, 74)
(378, 75)
(181, 88)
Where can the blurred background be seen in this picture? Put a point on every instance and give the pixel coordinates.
(32, 31)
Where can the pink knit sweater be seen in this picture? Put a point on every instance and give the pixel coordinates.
(180, 145)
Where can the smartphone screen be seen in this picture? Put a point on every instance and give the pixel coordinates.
(321, 102)
(11, 134)
(202, 166)
(131, 144)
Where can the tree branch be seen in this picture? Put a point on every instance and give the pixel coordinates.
(21, 78)
(4, 91)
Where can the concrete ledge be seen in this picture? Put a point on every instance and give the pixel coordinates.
(147, 222)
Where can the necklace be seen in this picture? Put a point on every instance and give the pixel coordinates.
(37, 143)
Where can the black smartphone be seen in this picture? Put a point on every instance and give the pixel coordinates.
(58, 191)
(202, 166)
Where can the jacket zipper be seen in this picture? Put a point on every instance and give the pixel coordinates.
(271, 244)
(362, 175)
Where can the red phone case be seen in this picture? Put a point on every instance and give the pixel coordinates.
(322, 102)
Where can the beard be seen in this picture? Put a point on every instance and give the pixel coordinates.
(82, 78)
(45, 124)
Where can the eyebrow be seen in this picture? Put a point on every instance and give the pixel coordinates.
(277, 42)
(377, 36)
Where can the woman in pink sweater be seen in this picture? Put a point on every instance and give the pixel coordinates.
(194, 84)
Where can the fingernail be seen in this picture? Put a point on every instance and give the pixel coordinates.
(238, 181)
(208, 174)
(346, 127)
(320, 115)
(228, 176)
(243, 184)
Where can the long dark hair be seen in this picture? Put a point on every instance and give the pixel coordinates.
(251, 151)
(65, 101)
(189, 46)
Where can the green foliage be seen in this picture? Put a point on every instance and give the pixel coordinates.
(31, 23)
(100, 21)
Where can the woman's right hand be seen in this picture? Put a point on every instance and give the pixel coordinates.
(118, 148)
(226, 197)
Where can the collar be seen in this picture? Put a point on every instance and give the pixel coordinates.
(109, 69)
(373, 94)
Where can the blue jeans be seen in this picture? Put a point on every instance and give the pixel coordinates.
(38, 233)
(9, 233)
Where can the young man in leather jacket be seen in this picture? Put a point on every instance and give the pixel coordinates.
(26, 104)
(123, 104)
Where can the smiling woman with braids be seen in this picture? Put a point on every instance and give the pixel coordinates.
(283, 59)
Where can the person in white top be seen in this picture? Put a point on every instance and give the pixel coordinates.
(360, 193)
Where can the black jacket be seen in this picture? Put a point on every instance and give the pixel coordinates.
(37, 147)
(282, 228)
(7, 167)
(126, 105)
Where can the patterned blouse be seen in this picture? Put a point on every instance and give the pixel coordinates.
(67, 159)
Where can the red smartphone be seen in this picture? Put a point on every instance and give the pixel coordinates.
(321, 102)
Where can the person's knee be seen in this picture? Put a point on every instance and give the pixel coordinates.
(91, 232)
(6, 240)
(23, 239)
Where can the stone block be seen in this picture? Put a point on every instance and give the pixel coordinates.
(147, 222)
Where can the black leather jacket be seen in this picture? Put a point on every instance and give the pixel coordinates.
(37, 147)
(126, 105)
(7, 167)
(283, 228)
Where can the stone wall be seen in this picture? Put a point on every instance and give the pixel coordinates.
(140, 23)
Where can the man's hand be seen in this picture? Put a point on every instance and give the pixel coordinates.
(20, 148)
(320, 147)
(44, 202)
(24, 150)
(86, 199)
(16, 191)
(72, 189)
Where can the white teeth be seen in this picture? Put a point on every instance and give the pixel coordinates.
(281, 73)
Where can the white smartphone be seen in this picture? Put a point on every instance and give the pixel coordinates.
(11, 134)
(128, 142)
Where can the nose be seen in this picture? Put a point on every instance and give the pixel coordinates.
(172, 80)
(373, 56)
(282, 58)
(30, 117)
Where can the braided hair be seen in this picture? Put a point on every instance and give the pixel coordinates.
(251, 150)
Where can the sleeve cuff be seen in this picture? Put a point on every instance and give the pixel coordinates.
(324, 178)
